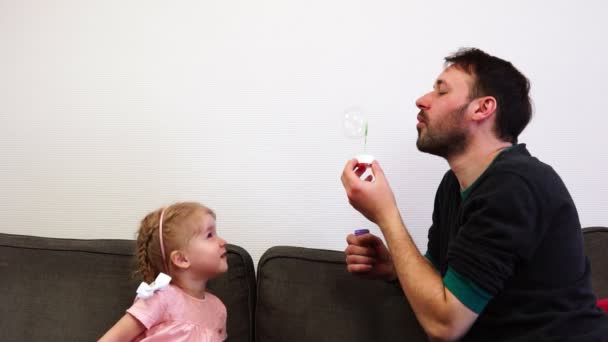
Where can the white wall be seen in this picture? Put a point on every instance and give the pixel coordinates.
(110, 109)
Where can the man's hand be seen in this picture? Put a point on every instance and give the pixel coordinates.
(367, 256)
(375, 200)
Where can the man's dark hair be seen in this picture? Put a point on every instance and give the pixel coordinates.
(500, 79)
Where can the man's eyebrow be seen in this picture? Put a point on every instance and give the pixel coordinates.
(439, 82)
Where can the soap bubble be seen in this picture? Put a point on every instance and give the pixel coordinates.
(354, 122)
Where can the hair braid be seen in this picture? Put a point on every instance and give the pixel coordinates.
(146, 245)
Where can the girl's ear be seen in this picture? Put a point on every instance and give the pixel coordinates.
(179, 259)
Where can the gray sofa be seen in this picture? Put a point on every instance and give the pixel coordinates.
(74, 290)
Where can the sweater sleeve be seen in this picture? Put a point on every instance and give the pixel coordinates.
(434, 234)
(499, 230)
(432, 251)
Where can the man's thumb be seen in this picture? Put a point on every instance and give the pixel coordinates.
(377, 170)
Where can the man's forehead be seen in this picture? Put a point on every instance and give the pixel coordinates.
(453, 76)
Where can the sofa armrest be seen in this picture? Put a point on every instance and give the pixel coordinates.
(596, 249)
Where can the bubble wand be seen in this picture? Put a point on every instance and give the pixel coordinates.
(356, 126)
(365, 141)
(365, 158)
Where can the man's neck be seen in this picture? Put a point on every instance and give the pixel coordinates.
(474, 160)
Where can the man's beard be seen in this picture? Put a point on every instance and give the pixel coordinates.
(447, 138)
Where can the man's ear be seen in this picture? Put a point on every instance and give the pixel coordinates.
(179, 259)
(485, 107)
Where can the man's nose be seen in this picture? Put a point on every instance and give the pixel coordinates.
(423, 102)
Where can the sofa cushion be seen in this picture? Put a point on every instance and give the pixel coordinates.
(75, 290)
(596, 248)
(307, 295)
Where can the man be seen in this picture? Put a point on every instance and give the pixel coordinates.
(505, 258)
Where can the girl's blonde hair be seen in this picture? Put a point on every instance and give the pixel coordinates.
(175, 232)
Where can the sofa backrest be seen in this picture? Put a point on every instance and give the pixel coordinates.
(75, 290)
(596, 248)
(307, 295)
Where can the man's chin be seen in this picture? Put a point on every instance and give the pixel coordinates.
(421, 146)
(434, 150)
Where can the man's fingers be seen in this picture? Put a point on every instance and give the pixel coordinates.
(359, 170)
(360, 250)
(359, 260)
(377, 169)
(368, 240)
(351, 173)
(359, 268)
(349, 167)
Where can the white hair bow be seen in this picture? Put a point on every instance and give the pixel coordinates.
(146, 290)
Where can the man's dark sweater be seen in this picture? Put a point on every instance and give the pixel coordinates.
(510, 248)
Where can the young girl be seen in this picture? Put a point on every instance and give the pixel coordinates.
(178, 251)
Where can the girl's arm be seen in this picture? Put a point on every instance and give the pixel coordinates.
(126, 329)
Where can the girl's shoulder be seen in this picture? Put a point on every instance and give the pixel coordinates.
(215, 302)
(168, 291)
(211, 297)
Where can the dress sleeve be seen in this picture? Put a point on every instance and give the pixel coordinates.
(500, 228)
(149, 311)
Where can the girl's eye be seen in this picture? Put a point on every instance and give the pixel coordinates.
(209, 235)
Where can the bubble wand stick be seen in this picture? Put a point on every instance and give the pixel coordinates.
(365, 158)
(365, 141)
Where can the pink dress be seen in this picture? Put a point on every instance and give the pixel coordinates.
(173, 315)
